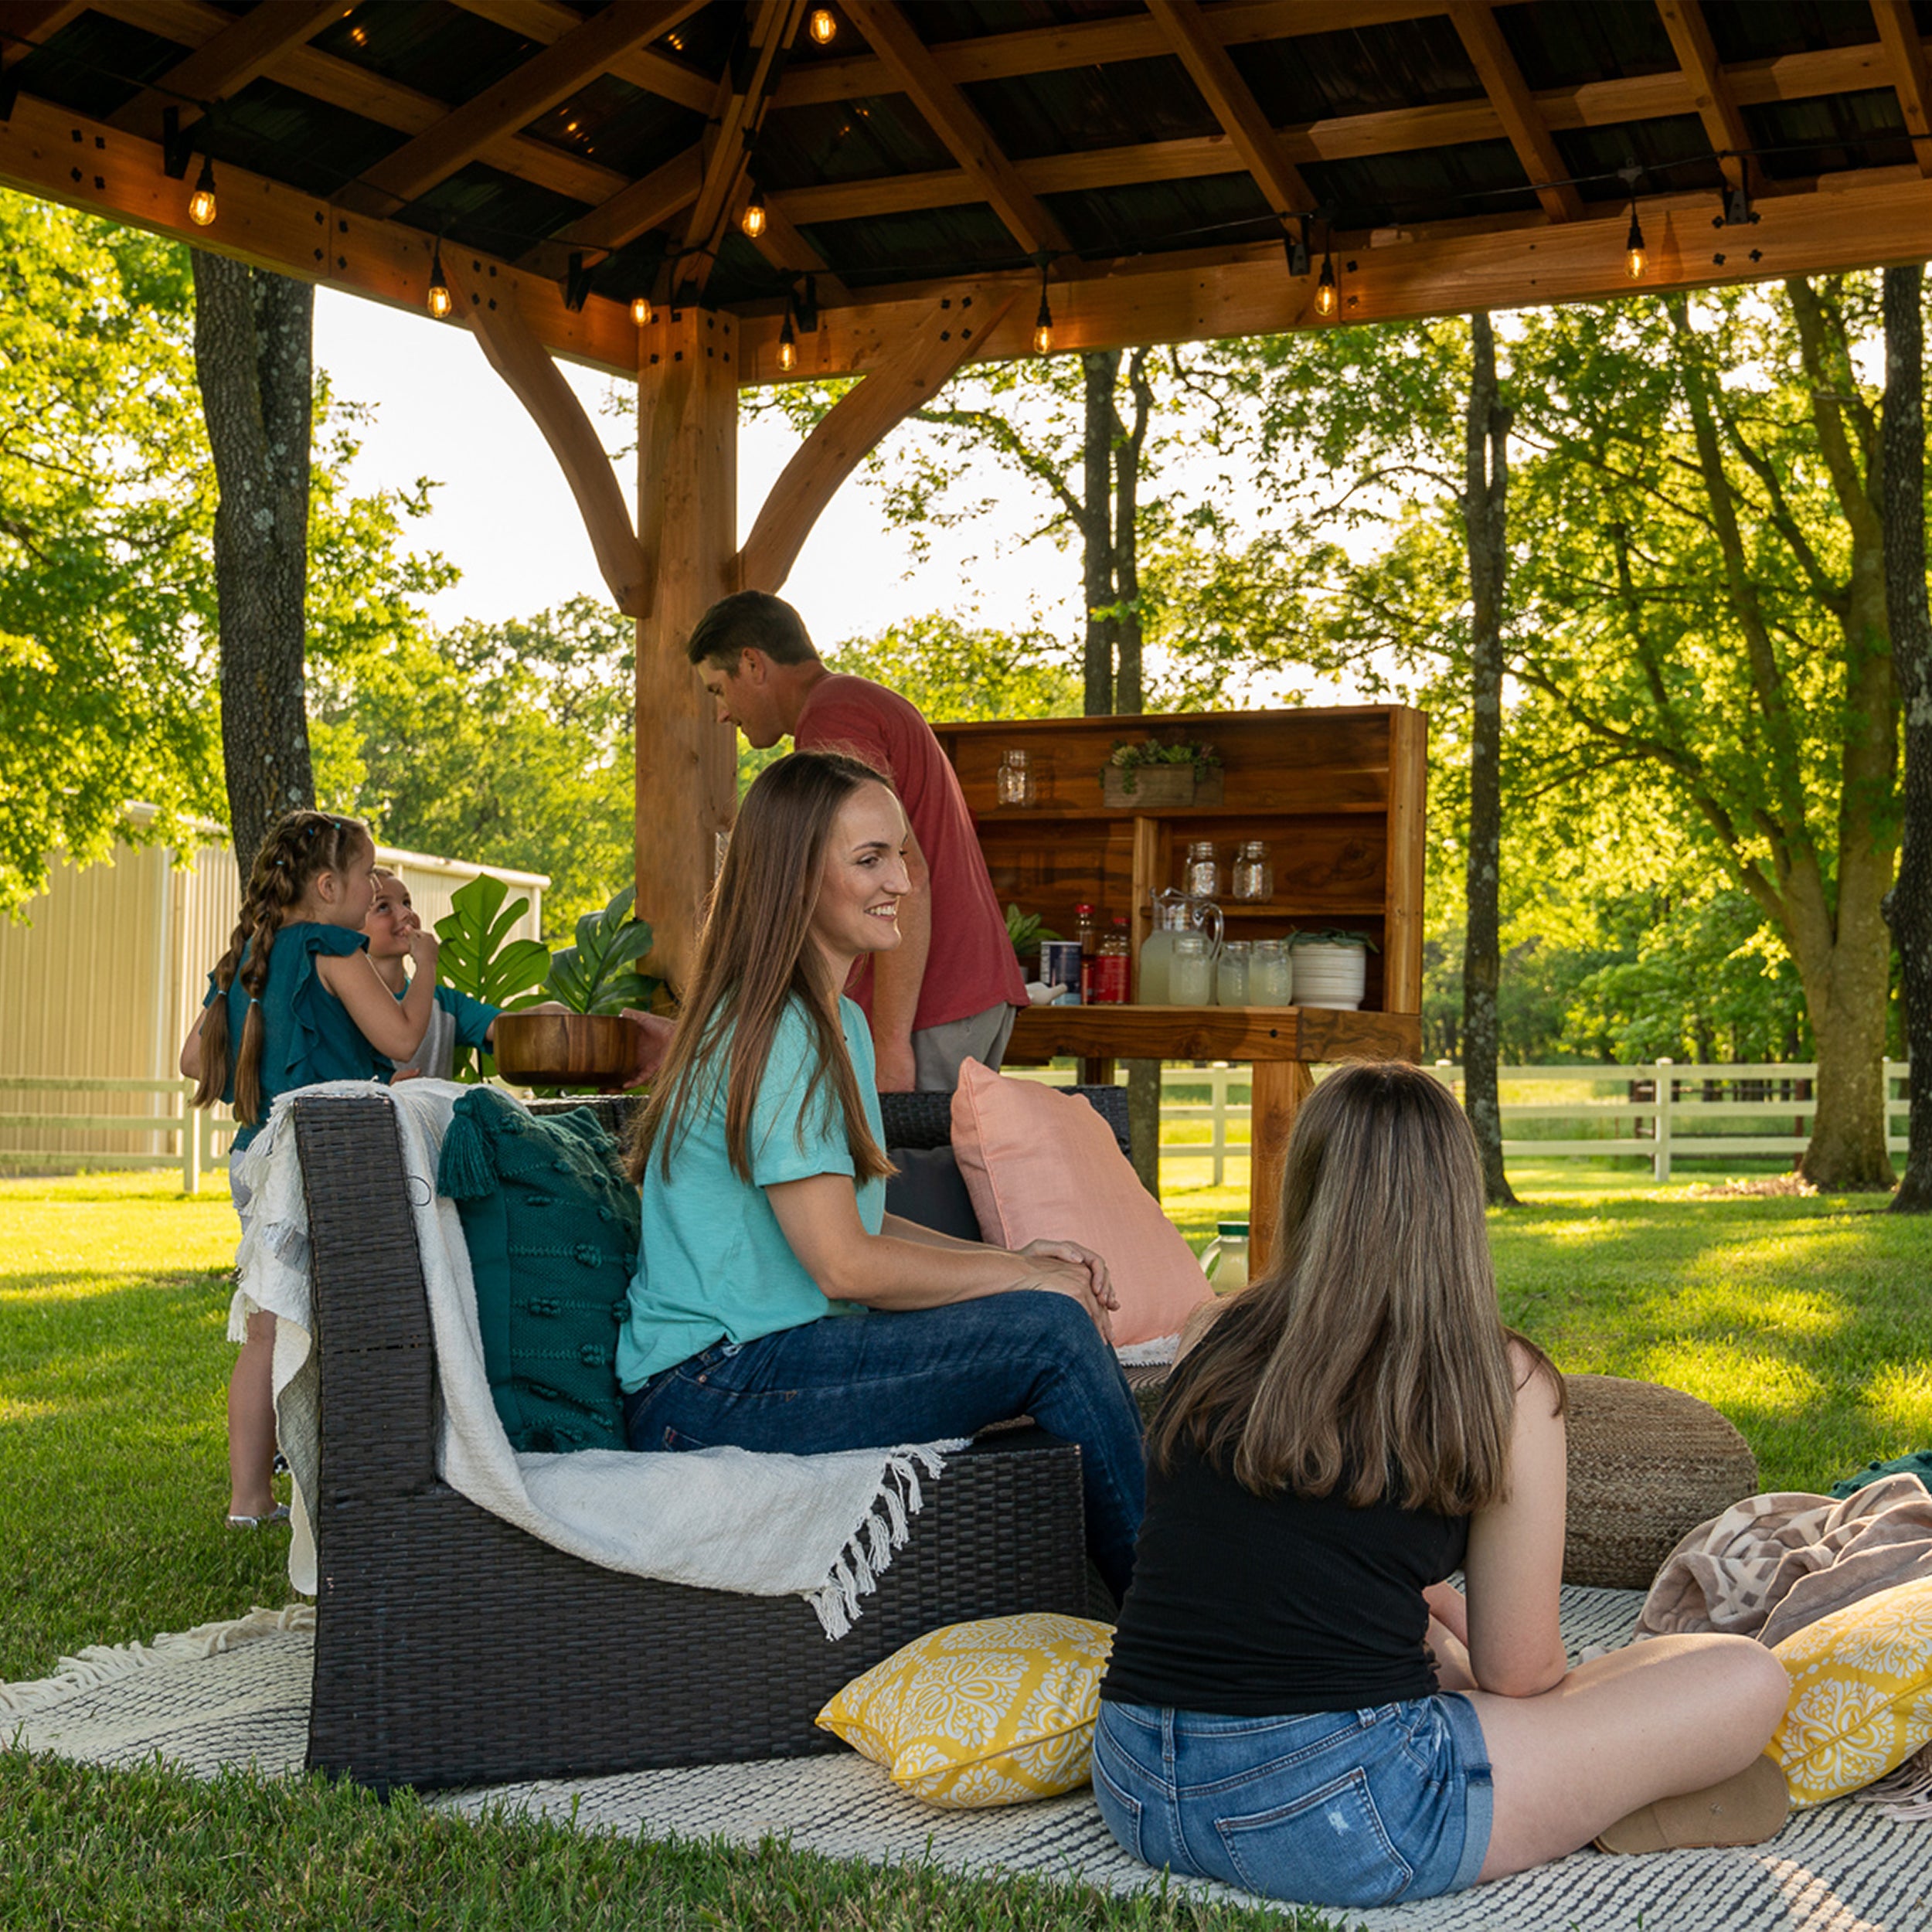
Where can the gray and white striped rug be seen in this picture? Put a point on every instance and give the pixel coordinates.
(238, 1693)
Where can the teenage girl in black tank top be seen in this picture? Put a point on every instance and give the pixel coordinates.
(1299, 1702)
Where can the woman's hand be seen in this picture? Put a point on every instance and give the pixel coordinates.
(1058, 1275)
(1104, 1292)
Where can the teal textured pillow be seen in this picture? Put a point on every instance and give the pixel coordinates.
(552, 1227)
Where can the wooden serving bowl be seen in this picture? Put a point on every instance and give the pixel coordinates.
(565, 1049)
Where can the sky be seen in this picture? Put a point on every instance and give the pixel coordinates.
(505, 516)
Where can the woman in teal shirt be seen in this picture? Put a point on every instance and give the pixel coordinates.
(776, 1306)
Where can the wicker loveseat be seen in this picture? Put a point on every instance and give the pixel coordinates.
(454, 1649)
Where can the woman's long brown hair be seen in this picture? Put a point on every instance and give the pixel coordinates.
(1370, 1357)
(755, 957)
(300, 846)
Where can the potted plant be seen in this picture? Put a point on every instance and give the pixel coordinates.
(1151, 776)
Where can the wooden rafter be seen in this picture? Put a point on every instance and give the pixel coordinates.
(33, 22)
(1346, 137)
(743, 98)
(1004, 56)
(635, 210)
(545, 21)
(916, 371)
(1905, 54)
(1233, 104)
(1502, 81)
(342, 84)
(957, 124)
(528, 91)
(1711, 91)
(515, 353)
(227, 61)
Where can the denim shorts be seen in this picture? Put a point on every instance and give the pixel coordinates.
(1343, 1807)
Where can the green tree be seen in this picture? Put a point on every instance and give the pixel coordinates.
(509, 744)
(104, 647)
(953, 671)
(108, 687)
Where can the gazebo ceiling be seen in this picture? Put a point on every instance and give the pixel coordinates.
(1152, 159)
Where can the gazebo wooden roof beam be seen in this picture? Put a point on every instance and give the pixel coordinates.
(1716, 104)
(1006, 56)
(547, 21)
(957, 124)
(515, 101)
(340, 84)
(1502, 81)
(1905, 58)
(1185, 28)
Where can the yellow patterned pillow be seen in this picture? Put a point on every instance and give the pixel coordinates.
(1861, 1693)
(993, 1712)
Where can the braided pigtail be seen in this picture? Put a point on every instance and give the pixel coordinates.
(216, 1046)
(300, 846)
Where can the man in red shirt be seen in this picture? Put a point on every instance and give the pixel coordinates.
(948, 991)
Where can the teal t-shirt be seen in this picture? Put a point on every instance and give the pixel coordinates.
(309, 1035)
(714, 1264)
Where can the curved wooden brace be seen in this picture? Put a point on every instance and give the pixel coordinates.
(856, 424)
(515, 353)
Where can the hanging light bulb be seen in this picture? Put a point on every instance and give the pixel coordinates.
(440, 300)
(1636, 256)
(824, 24)
(1043, 321)
(641, 310)
(787, 341)
(201, 203)
(1327, 296)
(752, 220)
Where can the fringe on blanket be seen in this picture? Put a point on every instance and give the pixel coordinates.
(867, 1553)
(99, 1663)
(1906, 1793)
(1149, 1355)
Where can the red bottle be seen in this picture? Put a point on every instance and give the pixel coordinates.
(1112, 968)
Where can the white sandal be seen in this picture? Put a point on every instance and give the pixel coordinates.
(278, 1514)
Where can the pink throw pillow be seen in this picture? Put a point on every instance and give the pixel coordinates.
(1041, 1164)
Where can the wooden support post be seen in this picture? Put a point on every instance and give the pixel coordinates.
(687, 522)
(1280, 1087)
(1408, 861)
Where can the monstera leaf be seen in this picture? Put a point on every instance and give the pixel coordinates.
(599, 973)
(479, 958)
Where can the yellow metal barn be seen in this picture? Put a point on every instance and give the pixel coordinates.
(100, 981)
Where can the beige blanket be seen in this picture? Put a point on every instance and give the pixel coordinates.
(1772, 1564)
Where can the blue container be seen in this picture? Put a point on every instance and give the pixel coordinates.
(1060, 965)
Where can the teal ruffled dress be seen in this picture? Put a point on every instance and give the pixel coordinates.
(310, 1035)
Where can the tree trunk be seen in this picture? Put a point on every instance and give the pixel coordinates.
(1128, 695)
(1908, 905)
(1101, 368)
(253, 335)
(1485, 507)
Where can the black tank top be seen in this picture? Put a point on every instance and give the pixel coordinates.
(1268, 1607)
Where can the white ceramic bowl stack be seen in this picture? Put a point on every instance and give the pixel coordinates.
(1330, 975)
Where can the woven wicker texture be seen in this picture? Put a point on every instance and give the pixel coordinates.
(1647, 1463)
(452, 1649)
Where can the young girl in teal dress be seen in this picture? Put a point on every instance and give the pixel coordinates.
(292, 1001)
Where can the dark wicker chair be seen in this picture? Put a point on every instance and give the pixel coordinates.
(452, 1649)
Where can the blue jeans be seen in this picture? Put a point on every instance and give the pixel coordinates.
(1345, 1807)
(870, 1380)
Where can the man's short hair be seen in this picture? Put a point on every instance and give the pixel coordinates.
(750, 620)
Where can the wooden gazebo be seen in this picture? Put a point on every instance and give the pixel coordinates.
(710, 194)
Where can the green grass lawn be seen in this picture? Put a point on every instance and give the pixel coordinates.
(1805, 1320)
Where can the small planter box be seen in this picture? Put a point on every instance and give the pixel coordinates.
(1159, 788)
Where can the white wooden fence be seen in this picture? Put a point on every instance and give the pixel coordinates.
(199, 1140)
(1655, 1109)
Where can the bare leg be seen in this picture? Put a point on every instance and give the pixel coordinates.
(251, 1421)
(1669, 1715)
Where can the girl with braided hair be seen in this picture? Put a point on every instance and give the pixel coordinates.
(292, 1001)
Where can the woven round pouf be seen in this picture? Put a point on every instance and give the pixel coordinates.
(1647, 1463)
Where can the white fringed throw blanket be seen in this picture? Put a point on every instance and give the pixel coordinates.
(821, 1527)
